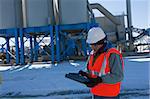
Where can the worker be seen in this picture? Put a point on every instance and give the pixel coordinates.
(104, 66)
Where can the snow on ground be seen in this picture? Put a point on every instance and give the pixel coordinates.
(47, 81)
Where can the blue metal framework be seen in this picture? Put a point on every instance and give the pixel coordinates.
(32, 33)
(65, 44)
(63, 50)
(7, 34)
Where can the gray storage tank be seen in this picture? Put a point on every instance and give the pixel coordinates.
(37, 12)
(71, 11)
(10, 14)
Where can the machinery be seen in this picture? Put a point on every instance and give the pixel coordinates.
(65, 23)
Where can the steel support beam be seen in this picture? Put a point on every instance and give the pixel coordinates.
(35, 48)
(7, 50)
(31, 49)
(22, 57)
(16, 46)
(52, 44)
(129, 23)
(57, 43)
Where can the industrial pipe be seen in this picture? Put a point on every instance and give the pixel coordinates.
(105, 12)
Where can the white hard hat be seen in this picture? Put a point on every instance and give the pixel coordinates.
(95, 34)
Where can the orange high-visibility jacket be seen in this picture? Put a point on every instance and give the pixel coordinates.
(100, 68)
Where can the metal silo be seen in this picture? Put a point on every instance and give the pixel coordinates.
(71, 11)
(10, 14)
(37, 12)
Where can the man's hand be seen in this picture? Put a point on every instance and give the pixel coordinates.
(94, 81)
(82, 73)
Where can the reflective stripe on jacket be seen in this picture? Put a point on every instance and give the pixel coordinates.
(100, 68)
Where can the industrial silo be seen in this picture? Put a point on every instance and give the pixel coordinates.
(10, 14)
(71, 11)
(37, 13)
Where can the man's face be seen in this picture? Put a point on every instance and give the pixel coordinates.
(96, 47)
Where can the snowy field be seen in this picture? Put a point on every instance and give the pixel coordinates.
(47, 81)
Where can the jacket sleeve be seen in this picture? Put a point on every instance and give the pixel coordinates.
(116, 70)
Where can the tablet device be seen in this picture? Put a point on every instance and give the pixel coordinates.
(77, 77)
